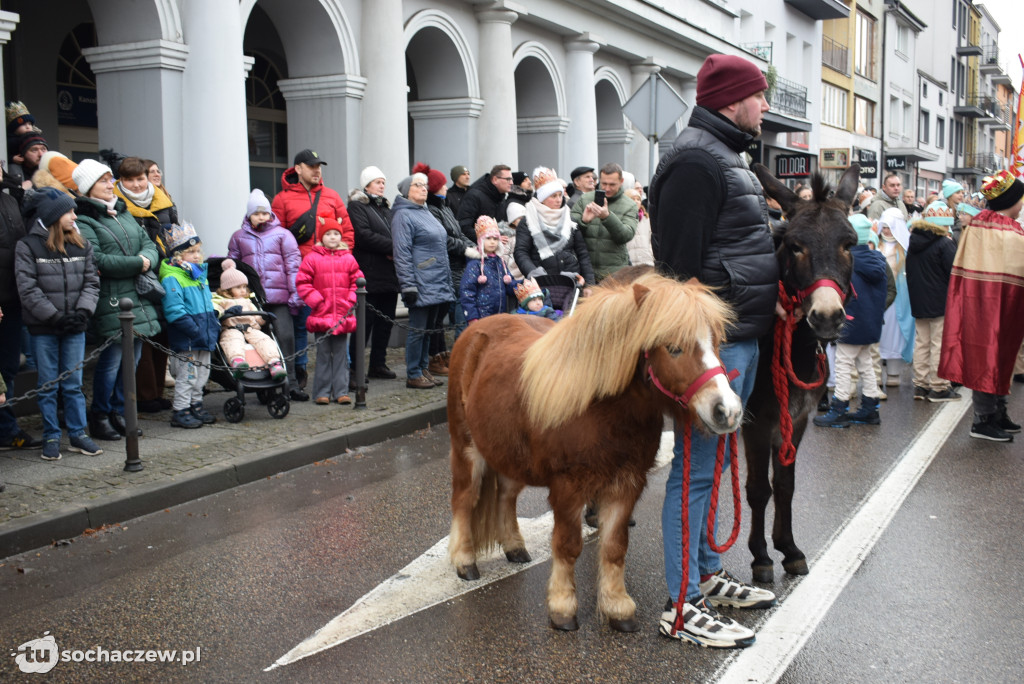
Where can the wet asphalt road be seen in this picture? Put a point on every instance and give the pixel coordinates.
(248, 574)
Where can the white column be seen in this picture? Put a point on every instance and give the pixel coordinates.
(581, 102)
(385, 140)
(639, 156)
(212, 111)
(689, 94)
(8, 22)
(323, 113)
(497, 135)
(139, 103)
(446, 130)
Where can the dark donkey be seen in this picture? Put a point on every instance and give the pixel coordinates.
(813, 251)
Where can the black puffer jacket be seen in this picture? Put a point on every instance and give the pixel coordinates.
(459, 246)
(481, 199)
(737, 254)
(12, 229)
(374, 249)
(52, 285)
(929, 264)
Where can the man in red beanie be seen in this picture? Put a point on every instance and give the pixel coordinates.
(708, 221)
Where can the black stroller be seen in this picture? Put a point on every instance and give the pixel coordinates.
(562, 291)
(270, 392)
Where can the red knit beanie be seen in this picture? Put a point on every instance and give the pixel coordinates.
(435, 179)
(724, 79)
(324, 223)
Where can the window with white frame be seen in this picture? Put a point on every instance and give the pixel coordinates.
(833, 105)
(863, 116)
(864, 51)
(924, 126)
(903, 39)
(894, 116)
(908, 121)
(940, 132)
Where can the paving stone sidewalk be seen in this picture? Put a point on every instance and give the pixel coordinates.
(45, 501)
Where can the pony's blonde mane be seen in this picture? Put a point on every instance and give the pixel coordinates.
(593, 354)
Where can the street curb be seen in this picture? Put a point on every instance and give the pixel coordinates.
(70, 521)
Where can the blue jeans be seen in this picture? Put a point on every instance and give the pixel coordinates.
(54, 355)
(417, 344)
(742, 356)
(301, 336)
(107, 383)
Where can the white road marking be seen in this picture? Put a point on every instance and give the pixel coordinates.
(431, 579)
(782, 635)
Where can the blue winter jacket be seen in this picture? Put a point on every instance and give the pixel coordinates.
(868, 307)
(421, 253)
(188, 307)
(485, 299)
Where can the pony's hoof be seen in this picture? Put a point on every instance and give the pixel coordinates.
(565, 623)
(624, 625)
(470, 572)
(518, 556)
(763, 573)
(796, 567)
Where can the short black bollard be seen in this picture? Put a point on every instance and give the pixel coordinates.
(132, 463)
(359, 362)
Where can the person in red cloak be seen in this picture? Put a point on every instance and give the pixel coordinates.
(984, 327)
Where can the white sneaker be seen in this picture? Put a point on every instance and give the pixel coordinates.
(722, 589)
(703, 626)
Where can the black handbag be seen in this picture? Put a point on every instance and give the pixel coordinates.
(147, 285)
(304, 227)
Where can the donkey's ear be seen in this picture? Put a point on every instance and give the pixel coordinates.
(639, 293)
(776, 189)
(848, 185)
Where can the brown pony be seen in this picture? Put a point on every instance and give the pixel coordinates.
(812, 248)
(578, 407)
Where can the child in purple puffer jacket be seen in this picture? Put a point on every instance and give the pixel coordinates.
(271, 249)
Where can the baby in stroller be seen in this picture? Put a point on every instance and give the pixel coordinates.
(234, 298)
(531, 301)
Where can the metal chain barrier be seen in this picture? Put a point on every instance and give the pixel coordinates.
(406, 326)
(32, 393)
(183, 356)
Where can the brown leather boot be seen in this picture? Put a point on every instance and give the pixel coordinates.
(437, 365)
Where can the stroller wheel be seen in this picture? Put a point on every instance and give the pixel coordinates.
(279, 406)
(263, 396)
(234, 410)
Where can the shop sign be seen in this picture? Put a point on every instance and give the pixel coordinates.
(834, 158)
(895, 163)
(792, 166)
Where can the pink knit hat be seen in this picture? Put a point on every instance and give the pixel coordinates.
(230, 276)
(488, 227)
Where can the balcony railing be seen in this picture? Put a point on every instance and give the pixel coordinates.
(990, 54)
(789, 98)
(762, 50)
(987, 110)
(835, 55)
(986, 161)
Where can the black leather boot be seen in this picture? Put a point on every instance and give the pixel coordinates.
(117, 420)
(101, 428)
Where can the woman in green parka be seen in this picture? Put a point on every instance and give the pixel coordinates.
(122, 250)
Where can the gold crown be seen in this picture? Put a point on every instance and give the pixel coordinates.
(528, 290)
(542, 176)
(995, 185)
(485, 224)
(15, 110)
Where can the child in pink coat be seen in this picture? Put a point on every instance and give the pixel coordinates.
(327, 284)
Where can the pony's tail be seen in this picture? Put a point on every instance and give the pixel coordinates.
(486, 515)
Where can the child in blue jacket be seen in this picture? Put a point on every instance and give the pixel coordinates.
(486, 284)
(866, 309)
(192, 324)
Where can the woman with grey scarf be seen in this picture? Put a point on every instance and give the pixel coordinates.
(548, 242)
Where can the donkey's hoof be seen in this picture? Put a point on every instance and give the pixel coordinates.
(566, 623)
(518, 556)
(624, 625)
(797, 566)
(763, 573)
(470, 572)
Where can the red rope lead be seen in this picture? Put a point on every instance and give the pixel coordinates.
(734, 472)
(783, 375)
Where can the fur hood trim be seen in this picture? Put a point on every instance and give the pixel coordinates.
(926, 227)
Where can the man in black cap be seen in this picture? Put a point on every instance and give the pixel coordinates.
(302, 187)
(460, 184)
(583, 181)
